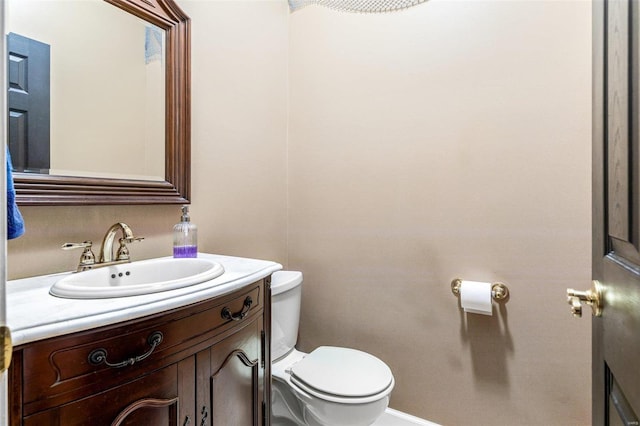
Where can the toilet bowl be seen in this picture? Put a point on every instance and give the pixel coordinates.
(330, 386)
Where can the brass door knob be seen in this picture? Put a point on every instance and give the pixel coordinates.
(592, 297)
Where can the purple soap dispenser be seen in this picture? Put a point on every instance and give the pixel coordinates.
(185, 236)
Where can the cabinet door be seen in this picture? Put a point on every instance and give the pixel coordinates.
(235, 384)
(149, 400)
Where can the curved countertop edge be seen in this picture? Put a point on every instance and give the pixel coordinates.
(33, 314)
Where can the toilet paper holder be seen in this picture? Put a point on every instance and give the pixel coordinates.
(499, 291)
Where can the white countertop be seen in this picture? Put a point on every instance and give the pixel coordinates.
(33, 314)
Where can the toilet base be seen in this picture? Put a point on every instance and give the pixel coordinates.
(293, 407)
(289, 410)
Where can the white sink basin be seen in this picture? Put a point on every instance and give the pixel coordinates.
(136, 278)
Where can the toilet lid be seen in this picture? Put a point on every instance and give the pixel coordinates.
(343, 372)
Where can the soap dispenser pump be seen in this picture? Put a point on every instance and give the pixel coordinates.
(185, 237)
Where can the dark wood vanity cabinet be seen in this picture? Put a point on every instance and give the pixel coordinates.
(211, 367)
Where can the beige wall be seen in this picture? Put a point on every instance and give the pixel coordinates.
(449, 140)
(239, 100)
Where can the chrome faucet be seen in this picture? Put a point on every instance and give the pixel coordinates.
(87, 259)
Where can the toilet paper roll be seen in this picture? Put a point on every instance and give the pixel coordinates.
(475, 297)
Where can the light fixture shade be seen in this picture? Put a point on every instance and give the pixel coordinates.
(363, 6)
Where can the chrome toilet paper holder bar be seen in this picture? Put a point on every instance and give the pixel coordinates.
(499, 291)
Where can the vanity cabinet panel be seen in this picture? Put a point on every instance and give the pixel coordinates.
(59, 370)
(235, 376)
(203, 373)
(208, 349)
(150, 400)
(187, 391)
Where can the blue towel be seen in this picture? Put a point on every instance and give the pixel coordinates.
(15, 222)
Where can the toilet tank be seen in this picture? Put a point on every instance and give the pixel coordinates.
(286, 292)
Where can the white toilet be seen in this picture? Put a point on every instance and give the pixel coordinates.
(330, 386)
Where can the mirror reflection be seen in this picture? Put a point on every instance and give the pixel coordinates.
(105, 71)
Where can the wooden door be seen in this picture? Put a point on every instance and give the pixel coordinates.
(616, 211)
(4, 362)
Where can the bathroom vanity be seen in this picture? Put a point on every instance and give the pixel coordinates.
(198, 355)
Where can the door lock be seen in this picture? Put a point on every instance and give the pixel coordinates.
(592, 297)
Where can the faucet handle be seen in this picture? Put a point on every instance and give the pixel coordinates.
(123, 251)
(130, 240)
(70, 246)
(87, 258)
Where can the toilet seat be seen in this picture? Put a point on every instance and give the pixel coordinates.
(343, 375)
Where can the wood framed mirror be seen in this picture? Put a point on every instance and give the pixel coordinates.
(62, 189)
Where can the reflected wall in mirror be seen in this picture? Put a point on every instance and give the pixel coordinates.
(119, 111)
(94, 117)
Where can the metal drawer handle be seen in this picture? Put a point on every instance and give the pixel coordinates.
(226, 312)
(99, 356)
(205, 414)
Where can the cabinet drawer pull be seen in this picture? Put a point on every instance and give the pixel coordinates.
(187, 421)
(205, 414)
(226, 312)
(99, 356)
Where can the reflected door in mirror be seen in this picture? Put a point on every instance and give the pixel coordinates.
(28, 105)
